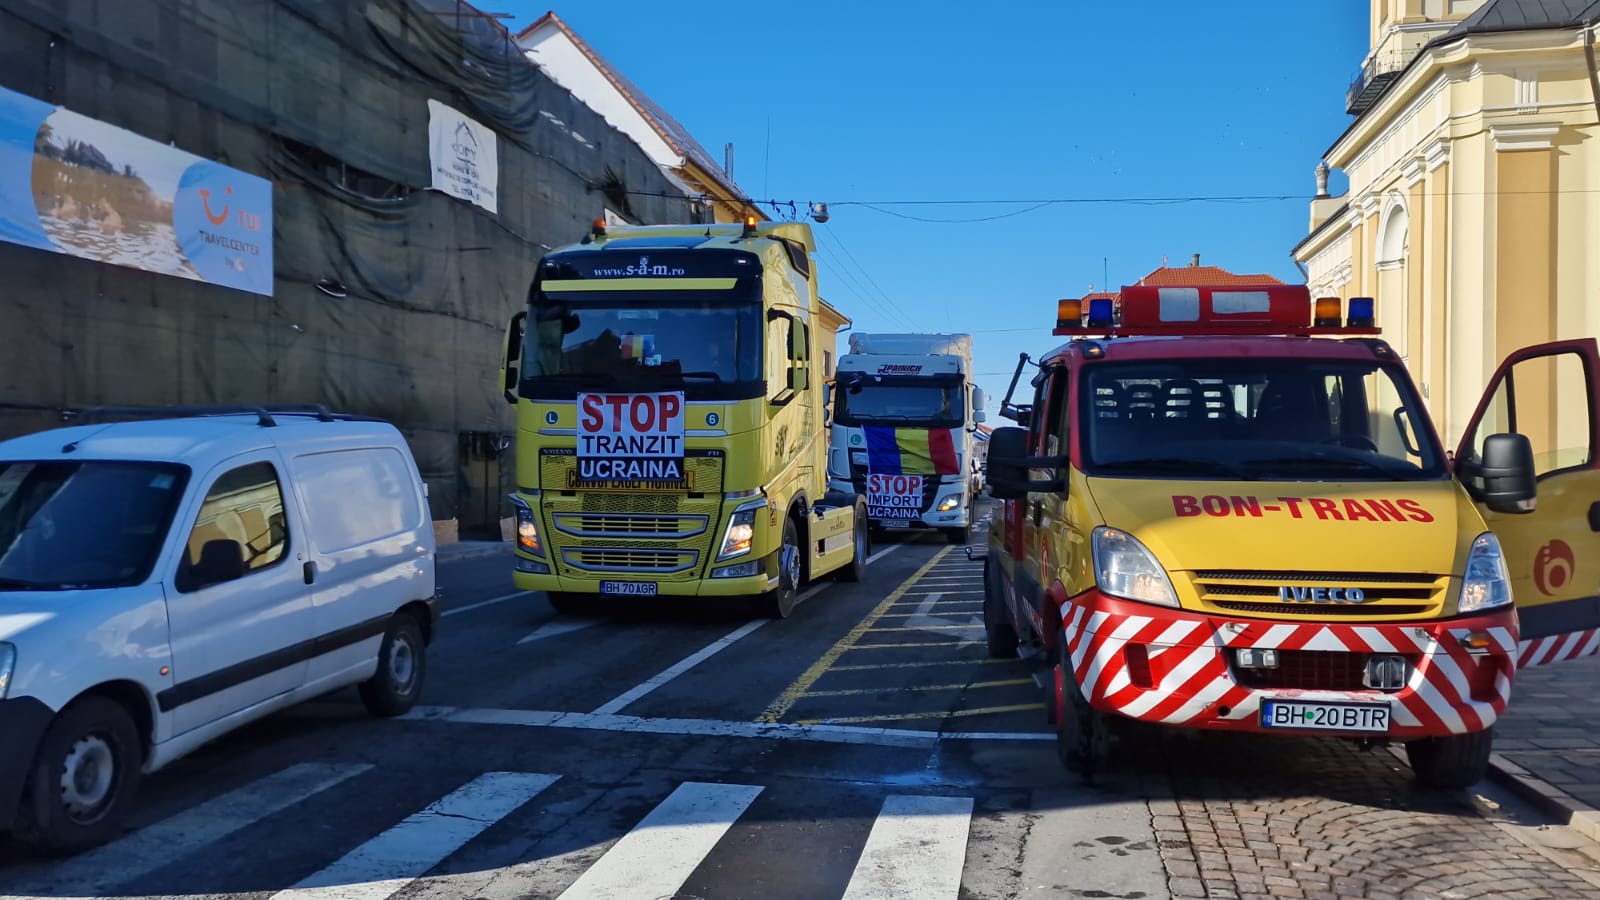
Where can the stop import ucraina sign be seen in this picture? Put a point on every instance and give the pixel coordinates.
(630, 437)
(894, 496)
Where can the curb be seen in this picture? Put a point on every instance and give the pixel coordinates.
(1561, 806)
(472, 550)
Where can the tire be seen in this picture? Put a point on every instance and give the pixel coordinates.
(1083, 734)
(1001, 633)
(857, 570)
(1453, 761)
(567, 602)
(779, 602)
(959, 536)
(402, 667)
(93, 745)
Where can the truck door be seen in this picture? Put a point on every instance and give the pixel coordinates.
(1548, 393)
(1034, 571)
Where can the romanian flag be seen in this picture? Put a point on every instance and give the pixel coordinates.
(910, 451)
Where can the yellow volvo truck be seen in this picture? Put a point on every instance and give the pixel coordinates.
(671, 419)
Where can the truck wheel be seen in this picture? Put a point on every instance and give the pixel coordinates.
(780, 601)
(959, 536)
(567, 602)
(402, 663)
(857, 569)
(1083, 736)
(84, 778)
(1453, 761)
(1001, 633)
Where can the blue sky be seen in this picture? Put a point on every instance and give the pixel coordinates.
(1028, 101)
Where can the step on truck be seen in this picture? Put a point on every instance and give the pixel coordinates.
(905, 412)
(670, 420)
(1227, 509)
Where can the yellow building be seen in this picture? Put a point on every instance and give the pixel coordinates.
(1473, 210)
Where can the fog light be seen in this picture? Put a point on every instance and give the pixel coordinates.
(1257, 658)
(742, 570)
(532, 567)
(1385, 672)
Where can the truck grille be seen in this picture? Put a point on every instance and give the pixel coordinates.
(1311, 670)
(629, 525)
(629, 559)
(1387, 595)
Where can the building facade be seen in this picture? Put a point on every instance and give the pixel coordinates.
(1473, 206)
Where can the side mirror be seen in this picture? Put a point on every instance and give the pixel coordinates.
(1508, 475)
(511, 357)
(1009, 462)
(220, 560)
(978, 399)
(978, 418)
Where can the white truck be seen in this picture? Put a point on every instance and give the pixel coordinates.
(904, 413)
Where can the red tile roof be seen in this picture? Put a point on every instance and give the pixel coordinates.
(1189, 276)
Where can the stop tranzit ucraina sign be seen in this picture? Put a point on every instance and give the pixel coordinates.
(630, 437)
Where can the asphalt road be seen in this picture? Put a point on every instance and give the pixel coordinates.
(865, 748)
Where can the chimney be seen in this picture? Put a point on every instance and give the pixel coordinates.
(1322, 180)
(727, 160)
(1194, 261)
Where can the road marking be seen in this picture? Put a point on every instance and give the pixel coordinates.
(480, 605)
(884, 552)
(794, 691)
(917, 848)
(923, 619)
(383, 866)
(870, 667)
(551, 629)
(664, 849)
(634, 693)
(921, 688)
(774, 731)
(96, 872)
(895, 646)
(907, 717)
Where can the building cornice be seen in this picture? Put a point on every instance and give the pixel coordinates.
(1436, 153)
(1415, 170)
(1513, 136)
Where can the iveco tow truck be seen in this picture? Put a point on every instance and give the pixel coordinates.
(670, 421)
(1226, 508)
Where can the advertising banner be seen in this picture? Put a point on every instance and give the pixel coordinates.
(78, 186)
(463, 155)
(894, 496)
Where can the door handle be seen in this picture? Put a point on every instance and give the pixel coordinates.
(310, 572)
(1594, 516)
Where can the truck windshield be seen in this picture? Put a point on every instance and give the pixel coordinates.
(709, 349)
(75, 525)
(869, 402)
(1248, 419)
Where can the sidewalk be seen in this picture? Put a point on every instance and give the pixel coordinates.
(472, 550)
(1547, 745)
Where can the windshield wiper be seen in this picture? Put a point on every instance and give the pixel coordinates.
(712, 376)
(1316, 461)
(1179, 464)
(17, 584)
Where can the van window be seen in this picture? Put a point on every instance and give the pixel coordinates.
(243, 507)
(1525, 402)
(355, 497)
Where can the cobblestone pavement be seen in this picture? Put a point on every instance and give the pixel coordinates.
(1552, 727)
(1244, 818)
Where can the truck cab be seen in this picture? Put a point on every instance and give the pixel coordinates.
(1227, 509)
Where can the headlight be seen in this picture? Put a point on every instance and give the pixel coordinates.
(527, 527)
(8, 661)
(741, 533)
(1124, 568)
(1487, 584)
(949, 503)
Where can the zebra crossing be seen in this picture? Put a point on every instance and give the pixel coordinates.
(705, 832)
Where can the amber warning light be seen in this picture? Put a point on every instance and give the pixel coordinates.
(1267, 309)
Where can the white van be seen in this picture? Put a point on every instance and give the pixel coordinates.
(165, 581)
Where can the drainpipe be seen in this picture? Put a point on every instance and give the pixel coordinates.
(1588, 52)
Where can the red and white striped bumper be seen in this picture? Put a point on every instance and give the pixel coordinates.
(1174, 667)
(1559, 647)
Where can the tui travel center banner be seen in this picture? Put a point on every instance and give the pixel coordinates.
(74, 185)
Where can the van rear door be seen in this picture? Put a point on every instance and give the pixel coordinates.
(1548, 393)
(371, 548)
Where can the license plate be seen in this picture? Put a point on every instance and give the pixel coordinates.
(1315, 716)
(629, 588)
(896, 523)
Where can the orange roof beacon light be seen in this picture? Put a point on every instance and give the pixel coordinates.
(1326, 313)
(1069, 313)
(749, 226)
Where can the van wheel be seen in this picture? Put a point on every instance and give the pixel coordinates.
(857, 569)
(402, 663)
(1001, 634)
(779, 602)
(84, 778)
(1083, 733)
(1453, 761)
